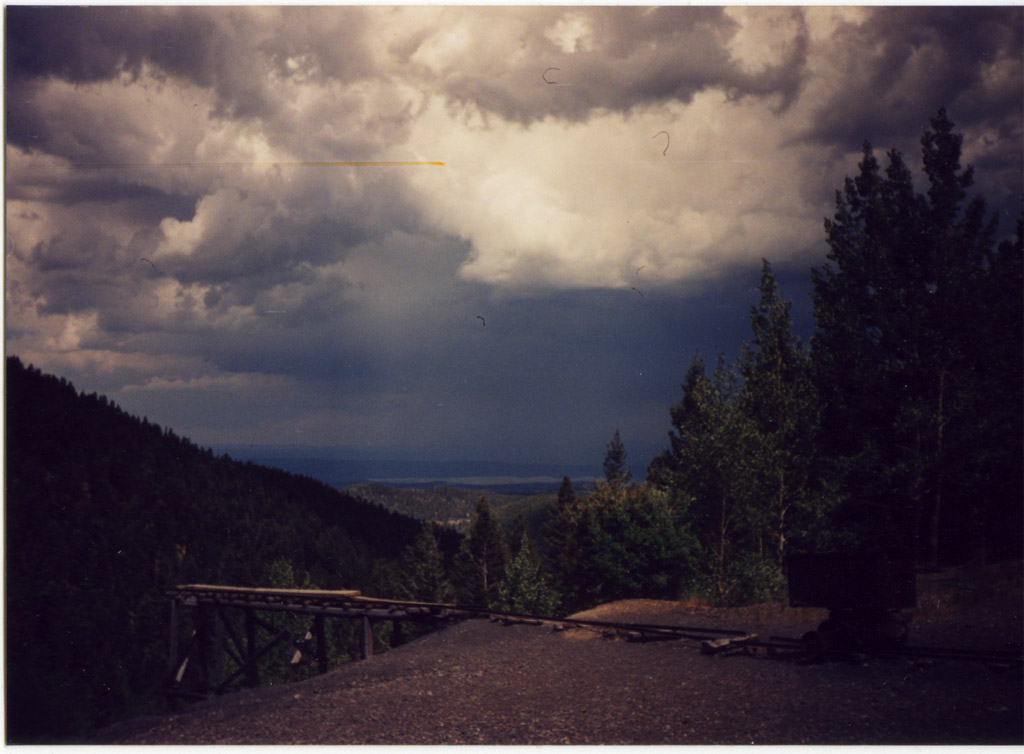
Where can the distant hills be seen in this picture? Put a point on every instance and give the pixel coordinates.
(334, 468)
(453, 506)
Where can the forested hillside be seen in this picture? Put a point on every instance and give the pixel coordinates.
(105, 512)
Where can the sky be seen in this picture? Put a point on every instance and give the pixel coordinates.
(233, 220)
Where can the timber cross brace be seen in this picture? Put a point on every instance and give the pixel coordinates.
(197, 668)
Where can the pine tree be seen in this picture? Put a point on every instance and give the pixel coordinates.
(480, 563)
(706, 471)
(616, 472)
(663, 468)
(524, 589)
(897, 309)
(561, 538)
(421, 570)
(781, 406)
(566, 493)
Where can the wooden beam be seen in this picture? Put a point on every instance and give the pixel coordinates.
(172, 656)
(268, 592)
(354, 610)
(367, 638)
(282, 636)
(203, 638)
(715, 646)
(190, 646)
(320, 632)
(238, 653)
(253, 670)
(218, 647)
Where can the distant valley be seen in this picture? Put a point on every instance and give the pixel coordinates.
(453, 506)
(493, 477)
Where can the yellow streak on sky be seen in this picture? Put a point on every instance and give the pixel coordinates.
(95, 166)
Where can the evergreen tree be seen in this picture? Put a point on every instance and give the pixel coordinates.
(480, 562)
(421, 570)
(986, 434)
(562, 544)
(566, 493)
(418, 575)
(524, 588)
(516, 534)
(631, 543)
(706, 469)
(781, 407)
(616, 472)
(663, 468)
(897, 309)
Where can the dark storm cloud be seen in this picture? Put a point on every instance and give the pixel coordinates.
(82, 45)
(280, 251)
(627, 57)
(90, 271)
(903, 64)
(76, 44)
(89, 248)
(141, 202)
(319, 325)
(343, 304)
(231, 51)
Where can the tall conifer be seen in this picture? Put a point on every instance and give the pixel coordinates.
(898, 307)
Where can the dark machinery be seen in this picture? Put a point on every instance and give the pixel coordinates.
(864, 594)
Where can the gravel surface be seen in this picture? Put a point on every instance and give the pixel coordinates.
(480, 682)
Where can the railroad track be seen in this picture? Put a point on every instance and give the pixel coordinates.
(712, 640)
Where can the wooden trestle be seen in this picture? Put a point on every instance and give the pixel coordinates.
(196, 667)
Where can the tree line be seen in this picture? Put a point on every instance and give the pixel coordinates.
(897, 429)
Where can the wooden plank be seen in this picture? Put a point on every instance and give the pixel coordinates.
(351, 610)
(320, 630)
(181, 671)
(218, 648)
(250, 647)
(172, 657)
(367, 639)
(203, 638)
(715, 646)
(510, 621)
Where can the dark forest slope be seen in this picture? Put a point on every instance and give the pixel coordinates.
(453, 506)
(104, 512)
